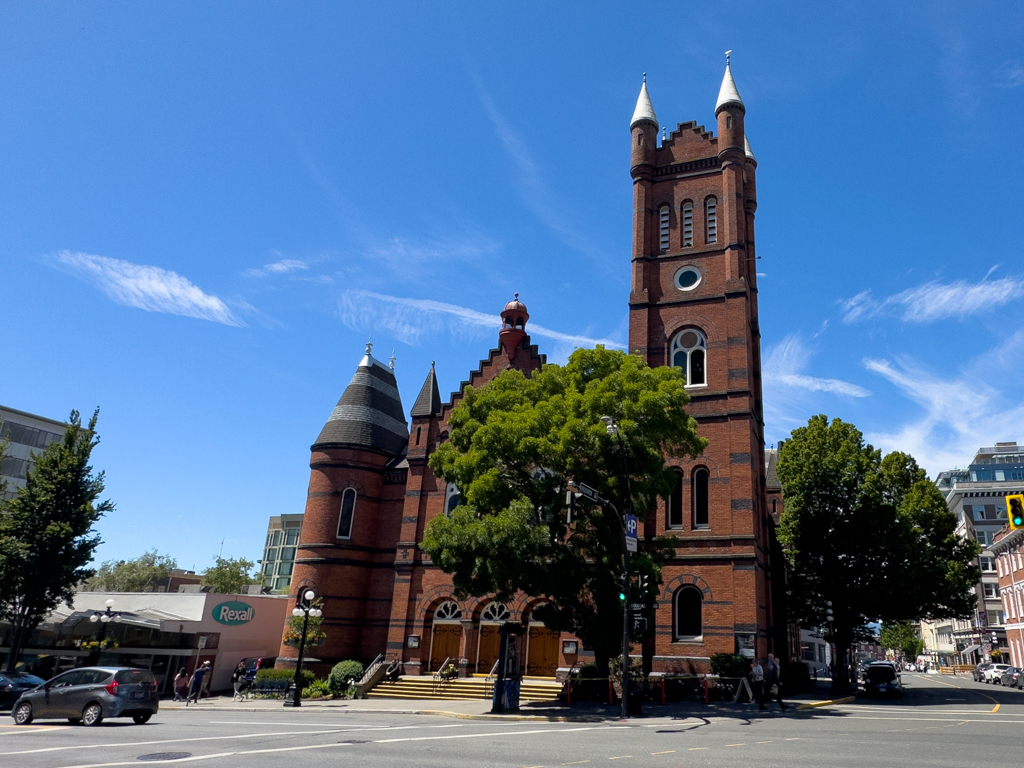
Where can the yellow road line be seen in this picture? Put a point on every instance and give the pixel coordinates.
(577, 762)
(735, 745)
(694, 749)
(620, 757)
(666, 752)
(763, 742)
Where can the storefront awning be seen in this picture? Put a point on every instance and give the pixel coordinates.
(965, 651)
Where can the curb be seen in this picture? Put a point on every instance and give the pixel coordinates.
(827, 702)
(435, 712)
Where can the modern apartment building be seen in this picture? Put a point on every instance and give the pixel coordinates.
(27, 434)
(279, 552)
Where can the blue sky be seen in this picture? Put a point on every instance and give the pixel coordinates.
(208, 207)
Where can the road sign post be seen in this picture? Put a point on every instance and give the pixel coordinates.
(631, 529)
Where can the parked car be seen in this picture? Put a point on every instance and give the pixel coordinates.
(882, 680)
(13, 684)
(1010, 678)
(979, 671)
(254, 664)
(91, 694)
(994, 673)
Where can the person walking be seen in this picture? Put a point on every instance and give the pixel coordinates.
(238, 681)
(757, 681)
(773, 682)
(180, 685)
(196, 684)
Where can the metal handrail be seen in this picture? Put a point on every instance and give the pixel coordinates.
(438, 678)
(374, 666)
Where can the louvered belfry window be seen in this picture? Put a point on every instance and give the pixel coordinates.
(687, 224)
(711, 208)
(663, 227)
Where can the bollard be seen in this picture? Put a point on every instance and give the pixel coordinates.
(611, 692)
(663, 691)
(568, 698)
(706, 690)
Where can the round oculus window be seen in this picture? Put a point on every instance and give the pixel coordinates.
(688, 278)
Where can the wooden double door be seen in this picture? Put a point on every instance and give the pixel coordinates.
(445, 644)
(490, 647)
(542, 654)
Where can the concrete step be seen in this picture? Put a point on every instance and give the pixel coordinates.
(462, 689)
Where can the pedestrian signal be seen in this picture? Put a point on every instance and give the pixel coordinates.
(1015, 510)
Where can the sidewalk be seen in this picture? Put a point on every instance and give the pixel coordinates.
(818, 695)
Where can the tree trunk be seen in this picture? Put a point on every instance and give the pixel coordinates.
(17, 636)
(840, 678)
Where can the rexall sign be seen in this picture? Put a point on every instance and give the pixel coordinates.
(233, 613)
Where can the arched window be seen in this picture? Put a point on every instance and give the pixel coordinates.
(689, 352)
(687, 224)
(348, 509)
(689, 609)
(448, 611)
(711, 219)
(452, 498)
(700, 497)
(675, 502)
(663, 227)
(495, 612)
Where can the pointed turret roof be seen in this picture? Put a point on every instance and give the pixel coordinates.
(369, 413)
(429, 401)
(728, 94)
(746, 148)
(644, 109)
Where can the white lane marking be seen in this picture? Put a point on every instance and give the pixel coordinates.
(213, 756)
(346, 726)
(491, 735)
(987, 720)
(167, 741)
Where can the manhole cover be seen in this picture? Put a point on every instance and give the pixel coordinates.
(164, 756)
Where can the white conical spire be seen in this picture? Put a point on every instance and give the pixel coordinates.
(644, 109)
(746, 148)
(728, 94)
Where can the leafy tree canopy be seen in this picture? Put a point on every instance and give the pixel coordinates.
(513, 444)
(227, 576)
(46, 531)
(135, 575)
(901, 636)
(872, 535)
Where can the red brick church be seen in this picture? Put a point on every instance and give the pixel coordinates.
(693, 304)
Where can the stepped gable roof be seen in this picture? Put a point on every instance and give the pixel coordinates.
(644, 108)
(428, 403)
(728, 94)
(369, 413)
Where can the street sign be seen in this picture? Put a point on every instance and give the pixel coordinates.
(589, 492)
(639, 624)
(637, 607)
(631, 529)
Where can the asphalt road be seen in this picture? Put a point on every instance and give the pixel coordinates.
(941, 721)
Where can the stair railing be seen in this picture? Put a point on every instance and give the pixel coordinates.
(371, 669)
(439, 674)
(491, 679)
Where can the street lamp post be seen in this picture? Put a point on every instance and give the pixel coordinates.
(104, 618)
(303, 607)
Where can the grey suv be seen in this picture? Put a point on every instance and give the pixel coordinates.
(89, 695)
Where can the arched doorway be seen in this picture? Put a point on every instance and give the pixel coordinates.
(541, 650)
(446, 634)
(491, 619)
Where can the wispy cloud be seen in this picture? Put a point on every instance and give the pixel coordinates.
(277, 268)
(413, 320)
(959, 413)
(146, 287)
(789, 357)
(935, 301)
(410, 256)
(1010, 75)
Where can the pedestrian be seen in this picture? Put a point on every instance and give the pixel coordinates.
(180, 685)
(773, 682)
(239, 681)
(196, 683)
(757, 681)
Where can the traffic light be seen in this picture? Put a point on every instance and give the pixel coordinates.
(645, 582)
(1015, 510)
(623, 587)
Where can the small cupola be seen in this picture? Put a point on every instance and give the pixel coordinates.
(513, 326)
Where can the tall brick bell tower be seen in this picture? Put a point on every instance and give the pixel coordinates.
(693, 304)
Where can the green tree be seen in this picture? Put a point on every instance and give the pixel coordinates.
(901, 636)
(515, 441)
(871, 535)
(46, 531)
(227, 576)
(135, 575)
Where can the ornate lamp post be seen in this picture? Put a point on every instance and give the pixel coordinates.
(104, 618)
(303, 607)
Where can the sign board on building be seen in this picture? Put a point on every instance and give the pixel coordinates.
(233, 613)
(631, 529)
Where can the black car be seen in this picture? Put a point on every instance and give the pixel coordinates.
(89, 695)
(13, 684)
(979, 671)
(882, 680)
(1011, 677)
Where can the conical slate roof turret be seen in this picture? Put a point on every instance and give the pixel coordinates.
(644, 109)
(369, 413)
(429, 401)
(728, 94)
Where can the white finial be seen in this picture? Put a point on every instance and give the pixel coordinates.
(369, 344)
(727, 55)
(663, 129)
(645, 78)
(392, 359)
